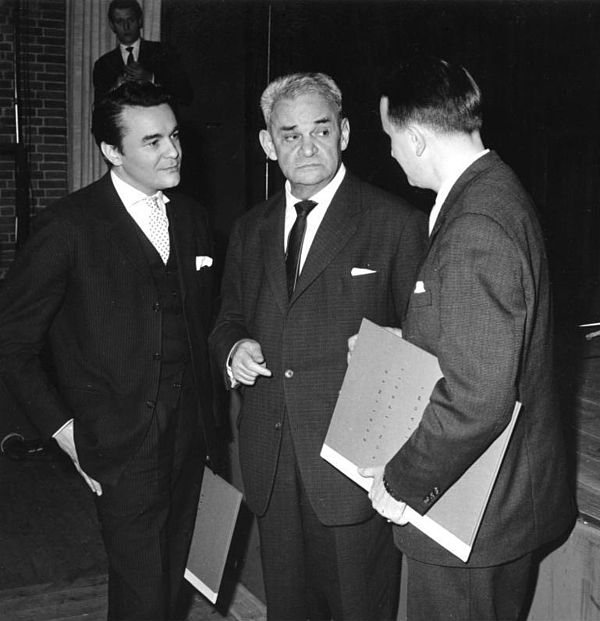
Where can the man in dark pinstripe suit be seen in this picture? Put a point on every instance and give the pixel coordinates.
(125, 306)
(282, 337)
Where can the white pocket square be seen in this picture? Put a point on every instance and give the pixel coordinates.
(203, 262)
(419, 287)
(361, 271)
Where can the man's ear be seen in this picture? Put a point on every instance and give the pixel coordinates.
(266, 142)
(111, 153)
(417, 139)
(344, 134)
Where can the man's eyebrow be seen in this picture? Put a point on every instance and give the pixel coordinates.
(151, 137)
(320, 121)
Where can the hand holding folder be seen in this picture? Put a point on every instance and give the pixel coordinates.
(385, 391)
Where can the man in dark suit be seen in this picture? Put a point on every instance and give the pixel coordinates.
(137, 59)
(482, 305)
(117, 279)
(289, 304)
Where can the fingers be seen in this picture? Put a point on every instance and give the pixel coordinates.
(351, 344)
(248, 363)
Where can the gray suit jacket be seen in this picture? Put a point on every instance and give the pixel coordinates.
(485, 311)
(304, 341)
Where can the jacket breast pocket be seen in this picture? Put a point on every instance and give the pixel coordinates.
(418, 300)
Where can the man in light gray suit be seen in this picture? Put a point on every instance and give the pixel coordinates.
(482, 305)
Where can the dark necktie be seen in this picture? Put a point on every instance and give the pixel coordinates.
(294, 245)
(130, 58)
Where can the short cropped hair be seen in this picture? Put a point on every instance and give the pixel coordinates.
(296, 84)
(124, 4)
(433, 92)
(107, 123)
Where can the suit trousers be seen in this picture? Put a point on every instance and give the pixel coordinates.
(147, 518)
(317, 572)
(497, 593)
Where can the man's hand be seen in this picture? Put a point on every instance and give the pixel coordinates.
(66, 440)
(248, 362)
(383, 503)
(136, 72)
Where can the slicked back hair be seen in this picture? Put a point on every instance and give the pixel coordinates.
(124, 4)
(107, 123)
(434, 93)
(296, 84)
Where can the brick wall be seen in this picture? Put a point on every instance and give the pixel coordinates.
(42, 107)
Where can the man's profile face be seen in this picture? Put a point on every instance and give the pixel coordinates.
(402, 148)
(125, 25)
(149, 158)
(307, 140)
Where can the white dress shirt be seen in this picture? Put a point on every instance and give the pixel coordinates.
(135, 51)
(323, 198)
(135, 202)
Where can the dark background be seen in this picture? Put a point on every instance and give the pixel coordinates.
(537, 64)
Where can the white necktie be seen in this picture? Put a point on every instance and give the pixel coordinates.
(159, 228)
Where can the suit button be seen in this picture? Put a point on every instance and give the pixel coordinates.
(289, 373)
(156, 356)
(156, 306)
(150, 404)
(278, 426)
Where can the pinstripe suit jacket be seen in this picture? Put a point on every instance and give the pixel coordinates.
(485, 311)
(83, 283)
(304, 341)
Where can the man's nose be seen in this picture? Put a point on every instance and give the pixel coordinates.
(172, 149)
(308, 146)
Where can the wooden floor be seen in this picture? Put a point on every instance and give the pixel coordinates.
(52, 562)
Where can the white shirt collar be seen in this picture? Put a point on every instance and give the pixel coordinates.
(136, 50)
(323, 197)
(313, 221)
(129, 195)
(447, 185)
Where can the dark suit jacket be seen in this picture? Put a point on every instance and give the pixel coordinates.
(83, 283)
(304, 341)
(158, 58)
(485, 312)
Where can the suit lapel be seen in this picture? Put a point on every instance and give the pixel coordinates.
(121, 230)
(182, 237)
(483, 163)
(272, 243)
(338, 226)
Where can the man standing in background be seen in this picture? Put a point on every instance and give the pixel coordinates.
(137, 59)
(302, 270)
(482, 305)
(116, 278)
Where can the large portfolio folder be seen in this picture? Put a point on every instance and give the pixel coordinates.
(385, 391)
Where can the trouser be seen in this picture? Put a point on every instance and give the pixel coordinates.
(317, 572)
(495, 593)
(147, 518)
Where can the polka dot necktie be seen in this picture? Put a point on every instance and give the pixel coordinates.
(159, 228)
(294, 245)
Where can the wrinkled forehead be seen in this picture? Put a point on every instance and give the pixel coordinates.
(303, 110)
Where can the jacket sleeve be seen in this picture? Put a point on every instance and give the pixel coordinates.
(32, 295)
(482, 310)
(230, 325)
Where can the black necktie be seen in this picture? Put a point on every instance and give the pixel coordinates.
(294, 245)
(130, 58)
